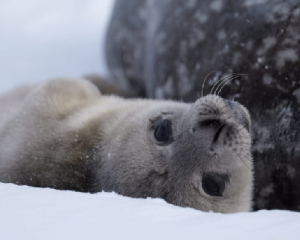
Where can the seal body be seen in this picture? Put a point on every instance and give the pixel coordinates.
(65, 134)
(165, 49)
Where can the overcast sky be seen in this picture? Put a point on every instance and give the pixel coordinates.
(51, 38)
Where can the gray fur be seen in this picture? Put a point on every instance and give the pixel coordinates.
(64, 134)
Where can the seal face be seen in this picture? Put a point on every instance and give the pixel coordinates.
(66, 135)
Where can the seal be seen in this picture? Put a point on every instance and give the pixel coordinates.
(164, 50)
(65, 134)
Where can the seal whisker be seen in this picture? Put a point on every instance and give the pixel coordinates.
(248, 154)
(235, 76)
(229, 115)
(224, 79)
(202, 90)
(249, 158)
(221, 86)
(219, 81)
(244, 144)
(243, 162)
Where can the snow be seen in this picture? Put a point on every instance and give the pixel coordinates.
(33, 213)
(50, 38)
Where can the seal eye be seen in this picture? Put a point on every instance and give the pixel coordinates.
(214, 184)
(163, 131)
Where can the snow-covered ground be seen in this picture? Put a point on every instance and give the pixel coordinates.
(50, 38)
(33, 213)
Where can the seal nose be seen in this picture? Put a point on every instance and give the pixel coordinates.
(240, 113)
(231, 104)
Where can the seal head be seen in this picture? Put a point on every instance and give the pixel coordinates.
(196, 155)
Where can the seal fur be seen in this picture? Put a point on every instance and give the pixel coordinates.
(64, 134)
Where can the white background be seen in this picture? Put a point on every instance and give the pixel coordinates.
(51, 38)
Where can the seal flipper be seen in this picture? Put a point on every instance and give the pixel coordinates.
(109, 87)
(37, 147)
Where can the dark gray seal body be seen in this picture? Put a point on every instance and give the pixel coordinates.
(165, 49)
(65, 134)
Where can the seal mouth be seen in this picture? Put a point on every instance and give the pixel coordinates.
(217, 135)
(216, 124)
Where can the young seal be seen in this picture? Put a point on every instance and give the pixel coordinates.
(164, 49)
(64, 134)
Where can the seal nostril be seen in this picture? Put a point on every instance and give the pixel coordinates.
(240, 114)
(209, 122)
(231, 104)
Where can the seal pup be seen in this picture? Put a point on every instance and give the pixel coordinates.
(65, 134)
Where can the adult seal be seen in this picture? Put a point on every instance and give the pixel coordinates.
(65, 134)
(164, 49)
